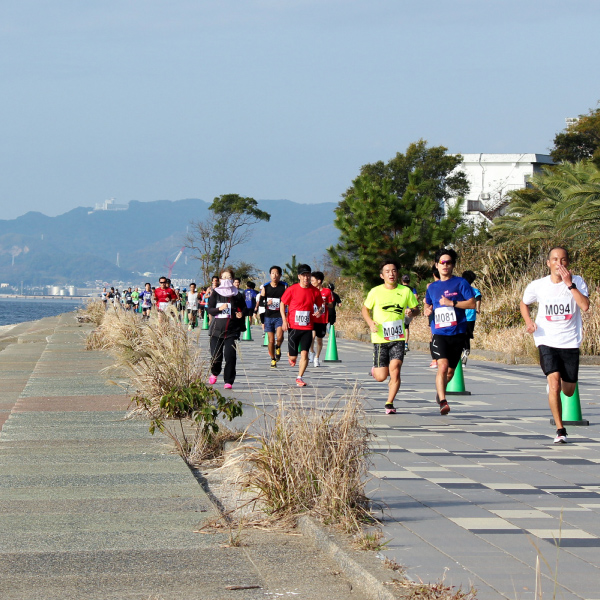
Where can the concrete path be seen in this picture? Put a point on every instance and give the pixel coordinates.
(476, 495)
(92, 506)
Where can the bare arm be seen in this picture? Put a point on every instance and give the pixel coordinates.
(531, 326)
(366, 315)
(582, 301)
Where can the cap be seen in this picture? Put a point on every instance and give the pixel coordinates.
(304, 269)
(405, 277)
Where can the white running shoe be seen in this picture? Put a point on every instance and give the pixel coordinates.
(317, 362)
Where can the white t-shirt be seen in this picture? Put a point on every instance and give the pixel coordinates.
(192, 301)
(559, 318)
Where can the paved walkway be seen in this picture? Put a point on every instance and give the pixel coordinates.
(92, 506)
(476, 495)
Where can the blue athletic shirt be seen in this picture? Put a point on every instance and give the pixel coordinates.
(250, 297)
(447, 319)
(471, 313)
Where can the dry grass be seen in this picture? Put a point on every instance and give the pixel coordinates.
(349, 320)
(313, 457)
(93, 312)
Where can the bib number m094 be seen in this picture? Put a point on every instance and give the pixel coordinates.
(558, 311)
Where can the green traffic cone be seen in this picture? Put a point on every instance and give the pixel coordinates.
(332, 354)
(205, 321)
(266, 341)
(456, 386)
(571, 409)
(247, 335)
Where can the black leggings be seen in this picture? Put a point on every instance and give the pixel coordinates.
(220, 347)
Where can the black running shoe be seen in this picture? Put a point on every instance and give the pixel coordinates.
(444, 407)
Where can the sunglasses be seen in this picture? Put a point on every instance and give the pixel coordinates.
(446, 262)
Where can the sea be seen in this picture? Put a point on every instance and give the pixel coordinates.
(19, 310)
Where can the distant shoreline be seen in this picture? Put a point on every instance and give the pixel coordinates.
(60, 298)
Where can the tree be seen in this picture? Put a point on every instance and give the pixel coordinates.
(401, 210)
(580, 140)
(228, 225)
(290, 271)
(562, 205)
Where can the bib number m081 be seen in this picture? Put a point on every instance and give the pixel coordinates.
(445, 316)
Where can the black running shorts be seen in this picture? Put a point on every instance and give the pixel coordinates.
(449, 347)
(560, 360)
(383, 354)
(320, 329)
(299, 336)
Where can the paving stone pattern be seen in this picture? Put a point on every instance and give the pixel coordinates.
(475, 495)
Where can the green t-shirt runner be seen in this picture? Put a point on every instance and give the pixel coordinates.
(384, 310)
(388, 307)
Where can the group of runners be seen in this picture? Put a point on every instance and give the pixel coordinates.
(305, 310)
(451, 304)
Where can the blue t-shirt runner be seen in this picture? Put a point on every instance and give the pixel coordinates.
(448, 320)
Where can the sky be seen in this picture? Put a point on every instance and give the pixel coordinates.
(153, 100)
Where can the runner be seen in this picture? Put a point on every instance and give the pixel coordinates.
(135, 299)
(320, 323)
(164, 296)
(301, 298)
(389, 303)
(436, 277)
(471, 314)
(237, 282)
(447, 300)
(337, 301)
(250, 294)
(146, 301)
(407, 320)
(128, 299)
(272, 293)
(104, 297)
(557, 331)
(192, 305)
(226, 305)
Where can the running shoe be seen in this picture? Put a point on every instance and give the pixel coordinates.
(317, 362)
(433, 364)
(444, 407)
(212, 379)
(561, 436)
(406, 348)
(464, 358)
(292, 361)
(228, 386)
(300, 382)
(311, 356)
(371, 372)
(273, 363)
(389, 409)
(277, 353)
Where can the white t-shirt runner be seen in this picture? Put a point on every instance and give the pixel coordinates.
(192, 301)
(559, 318)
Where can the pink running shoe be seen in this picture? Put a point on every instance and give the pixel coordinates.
(433, 364)
(389, 409)
(212, 379)
(300, 382)
(292, 361)
(228, 386)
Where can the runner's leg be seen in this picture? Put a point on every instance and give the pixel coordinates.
(554, 387)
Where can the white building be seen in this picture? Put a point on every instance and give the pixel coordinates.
(492, 176)
(108, 205)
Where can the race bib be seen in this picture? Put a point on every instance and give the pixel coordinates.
(302, 318)
(226, 312)
(445, 316)
(273, 303)
(560, 310)
(393, 331)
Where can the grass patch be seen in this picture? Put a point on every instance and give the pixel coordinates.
(313, 457)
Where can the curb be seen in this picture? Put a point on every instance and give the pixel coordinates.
(360, 577)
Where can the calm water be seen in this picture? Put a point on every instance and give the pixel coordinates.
(25, 309)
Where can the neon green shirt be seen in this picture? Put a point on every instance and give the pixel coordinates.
(388, 307)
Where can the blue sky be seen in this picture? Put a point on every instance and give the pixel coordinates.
(149, 100)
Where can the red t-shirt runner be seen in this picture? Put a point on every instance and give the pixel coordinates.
(327, 299)
(301, 304)
(164, 296)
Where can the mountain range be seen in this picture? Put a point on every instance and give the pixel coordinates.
(109, 245)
